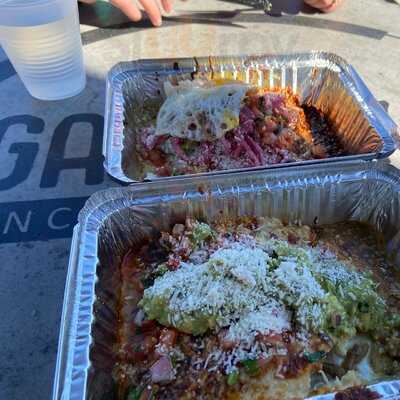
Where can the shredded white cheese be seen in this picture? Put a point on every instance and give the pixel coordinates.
(248, 287)
(234, 282)
(247, 265)
(229, 360)
(326, 264)
(298, 282)
(268, 319)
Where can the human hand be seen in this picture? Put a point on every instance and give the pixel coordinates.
(324, 5)
(132, 11)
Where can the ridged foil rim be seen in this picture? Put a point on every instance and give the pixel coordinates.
(114, 110)
(75, 340)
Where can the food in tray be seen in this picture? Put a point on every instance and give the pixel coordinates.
(255, 309)
(217, 125)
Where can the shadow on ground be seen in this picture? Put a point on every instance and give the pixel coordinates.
(111, 22)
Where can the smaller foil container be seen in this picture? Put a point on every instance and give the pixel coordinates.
(116, 220)
(324, 80)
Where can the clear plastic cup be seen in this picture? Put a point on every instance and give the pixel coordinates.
(42, 40)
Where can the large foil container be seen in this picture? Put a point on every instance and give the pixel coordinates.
(119, 219)
(326, 81)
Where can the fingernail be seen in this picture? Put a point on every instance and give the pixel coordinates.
(157, 22)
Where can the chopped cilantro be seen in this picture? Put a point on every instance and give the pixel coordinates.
(135, 394)
(161, 270)
(251, 367)
(315, 357)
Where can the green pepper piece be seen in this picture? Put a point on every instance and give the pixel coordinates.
(251, 367)
(315, 357)
(233, 378)
(135, 394)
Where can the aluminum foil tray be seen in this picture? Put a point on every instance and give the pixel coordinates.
(116, 220)
(324, 80)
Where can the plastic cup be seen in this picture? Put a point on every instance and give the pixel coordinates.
(42, 40)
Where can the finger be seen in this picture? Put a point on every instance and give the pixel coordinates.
(315, 3)
(324, 5)
(332, 7)
(153, 10)
(167, 5)
(128, 8)
(319, 3)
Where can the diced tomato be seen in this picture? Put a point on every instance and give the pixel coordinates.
(264, 364)
(285, 139)
(225, 343)
(168, 337)
(290, 367)
(173, 263)
(272, 338)
(318, 151)
(148, 326)
(149, 343)
(292, 238)
(157, 158)
(167, 341)
(164, 171)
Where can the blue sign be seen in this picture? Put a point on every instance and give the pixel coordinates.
(39, 220)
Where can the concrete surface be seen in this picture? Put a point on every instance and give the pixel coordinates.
(38, 206)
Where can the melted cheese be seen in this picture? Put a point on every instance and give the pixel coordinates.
(200, 113)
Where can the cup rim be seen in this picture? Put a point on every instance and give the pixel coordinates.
(21, 13)
(21, 4)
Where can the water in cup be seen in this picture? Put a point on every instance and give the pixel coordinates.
(45, 49)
